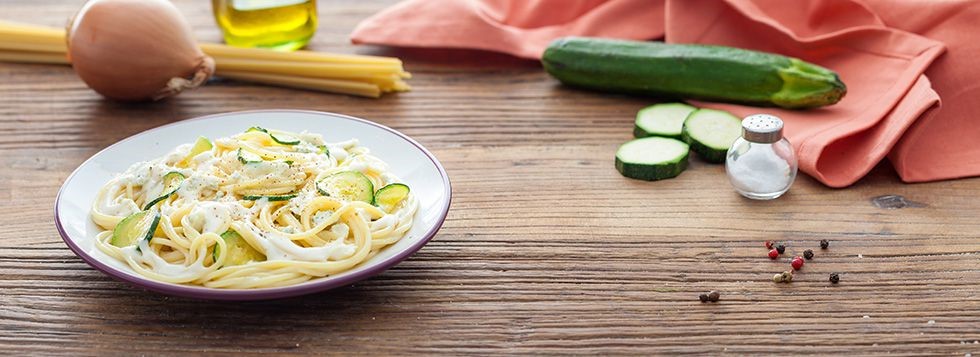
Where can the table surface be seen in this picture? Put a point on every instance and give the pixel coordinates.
(547, 249)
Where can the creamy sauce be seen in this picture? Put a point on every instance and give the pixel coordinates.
(384, 222)
(321, 216)
(278, 247)
(210, 216)
(146, 256)
(192, 186)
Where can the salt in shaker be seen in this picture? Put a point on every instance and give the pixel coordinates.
(761, 165)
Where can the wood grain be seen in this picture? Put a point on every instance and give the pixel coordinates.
(547, 249)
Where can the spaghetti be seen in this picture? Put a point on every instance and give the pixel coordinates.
(263, 208)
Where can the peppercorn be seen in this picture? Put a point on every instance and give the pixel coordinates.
(834, 278)
(768, 244)
(787, 276)
(781, 248)
(778, 278)
(797, 263)
(773, 254)
(824, 244)
(808, 254)
(713, 296)
(703, 297)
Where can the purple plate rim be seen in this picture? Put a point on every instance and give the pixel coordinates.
(197, 292)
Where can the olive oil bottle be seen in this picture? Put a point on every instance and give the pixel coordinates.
(276, 24)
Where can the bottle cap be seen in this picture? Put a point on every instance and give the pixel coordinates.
(762, 128)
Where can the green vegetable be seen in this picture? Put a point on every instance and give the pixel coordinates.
(284, 139)
(171, 182)
(281, 138)
(692, 71)
(248, 157)
(653, 158)
(239, 251)
(201, 145)
(324, 150)
(285, 197)
(390, 195)
(347, 186)
(711, 132)
(665, 120)
(139, 225)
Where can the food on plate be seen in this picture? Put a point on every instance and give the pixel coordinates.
(692, 71)
(262, 208)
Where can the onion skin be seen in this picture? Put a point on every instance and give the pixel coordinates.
(135, 50)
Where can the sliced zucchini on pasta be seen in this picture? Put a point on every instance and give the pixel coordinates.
(171, 182)
(391, 195)
(286, 197)
(324, 150)
(139, 225)
(201, 145)
(246, 157)
(284, 139)
(239, 251)
(347, 186)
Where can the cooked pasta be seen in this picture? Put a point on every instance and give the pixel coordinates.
(263, 208)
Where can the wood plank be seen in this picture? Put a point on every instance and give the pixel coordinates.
(547, 249)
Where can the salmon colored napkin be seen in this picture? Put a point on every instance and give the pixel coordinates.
(894, 79)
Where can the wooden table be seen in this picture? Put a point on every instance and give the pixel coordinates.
(547, 249)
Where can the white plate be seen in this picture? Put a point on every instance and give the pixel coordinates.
(408, 160)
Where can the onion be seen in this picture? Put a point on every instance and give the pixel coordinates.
(135, 49)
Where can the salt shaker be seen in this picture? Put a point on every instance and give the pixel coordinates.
(761, 164)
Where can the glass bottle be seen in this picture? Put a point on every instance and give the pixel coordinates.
(761, 164)
(276, 24)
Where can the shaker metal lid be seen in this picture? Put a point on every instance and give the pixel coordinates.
(762, 128)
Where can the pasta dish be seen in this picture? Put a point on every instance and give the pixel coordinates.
(263, 208)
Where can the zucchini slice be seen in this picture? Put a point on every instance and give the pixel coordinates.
(284, 139)
(139, 225)
(665, 120)
(239, 251)
(201, 145)
(246, 157)
(324, 150)
(286, 197)
(171, 182)
(347, 186)
(390, 195)
(711, 133)
(652, 158)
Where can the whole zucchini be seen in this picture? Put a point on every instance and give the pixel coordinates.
(715, 73)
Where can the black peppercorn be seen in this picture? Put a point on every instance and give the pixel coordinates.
(713, 296)
(703, 297)
(808, 254)
(781, 248)
(834, 278)
(824, 244)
